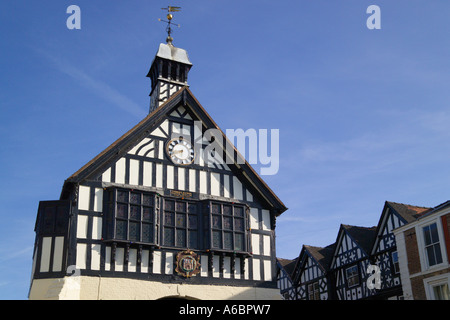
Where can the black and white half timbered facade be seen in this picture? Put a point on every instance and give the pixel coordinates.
(285, 267)
(350, 262)
(384, 251)
(159, 213)
(312, 278)
(363, 263)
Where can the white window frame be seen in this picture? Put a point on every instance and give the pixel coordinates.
(357, 275)
(421, 243)
(395, 271)
(430, 283)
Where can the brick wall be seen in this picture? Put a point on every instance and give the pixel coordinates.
(412, 251)
(446, 226)
(418, 290)
(413, 259)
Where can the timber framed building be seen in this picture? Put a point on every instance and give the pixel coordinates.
(341, 270)
(158, 214)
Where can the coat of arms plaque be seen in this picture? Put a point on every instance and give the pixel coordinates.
(188, 263)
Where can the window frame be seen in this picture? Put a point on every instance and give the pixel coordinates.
(353, 275)
(314, 291)
(436, 281)
(238, 220)
(212, 227)
(395, 262)
(187, 228)
(113, 211)
(52, 222)
(435, 246)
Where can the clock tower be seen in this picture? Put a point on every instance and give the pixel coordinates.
(168, 73)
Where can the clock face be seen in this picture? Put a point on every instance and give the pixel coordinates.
(180, 151)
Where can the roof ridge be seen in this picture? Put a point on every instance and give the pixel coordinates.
(409, 205)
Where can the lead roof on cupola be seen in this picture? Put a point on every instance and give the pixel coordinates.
(170, 52)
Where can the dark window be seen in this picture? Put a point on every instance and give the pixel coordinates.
(432, 245)
(135, 216)
(52, 218)
(228, 226)
(180, 224)
(148, 218)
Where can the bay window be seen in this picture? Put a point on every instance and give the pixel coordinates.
(148, 218)
(226, 226)
(132, 216)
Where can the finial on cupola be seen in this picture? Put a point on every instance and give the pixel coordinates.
(170, 9)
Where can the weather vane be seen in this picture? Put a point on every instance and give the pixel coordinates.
(170, 9)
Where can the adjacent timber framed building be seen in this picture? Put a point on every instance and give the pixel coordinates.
(340, 270)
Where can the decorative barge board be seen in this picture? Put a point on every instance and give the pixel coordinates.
(384, 250)
(350, 261)
(156, 217)
(311, 277)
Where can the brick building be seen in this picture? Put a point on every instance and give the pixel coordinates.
(423, 252)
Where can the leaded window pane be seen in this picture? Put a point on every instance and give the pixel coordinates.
(228, 223)
(217, 239)
(134, 231)
(169, 219)
(239, 242)
(228, 240)
(169, 205)
(169, 235)
(180, 207)
(135, 212)
(147, 200)
(239, 224)
(135, 198)
(121, 230)
(215, 208)
(181, 238)
(181, 220)
(193, 221)
(122, 196)
(122, 211)
(216, 222)
(147, 214)
(228, 226)
(192, 208)
(239, 211)
(134, 221)
(193, 240)
(227, 210)
(147, 232)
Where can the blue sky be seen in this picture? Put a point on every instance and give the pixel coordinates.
(363, 114)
